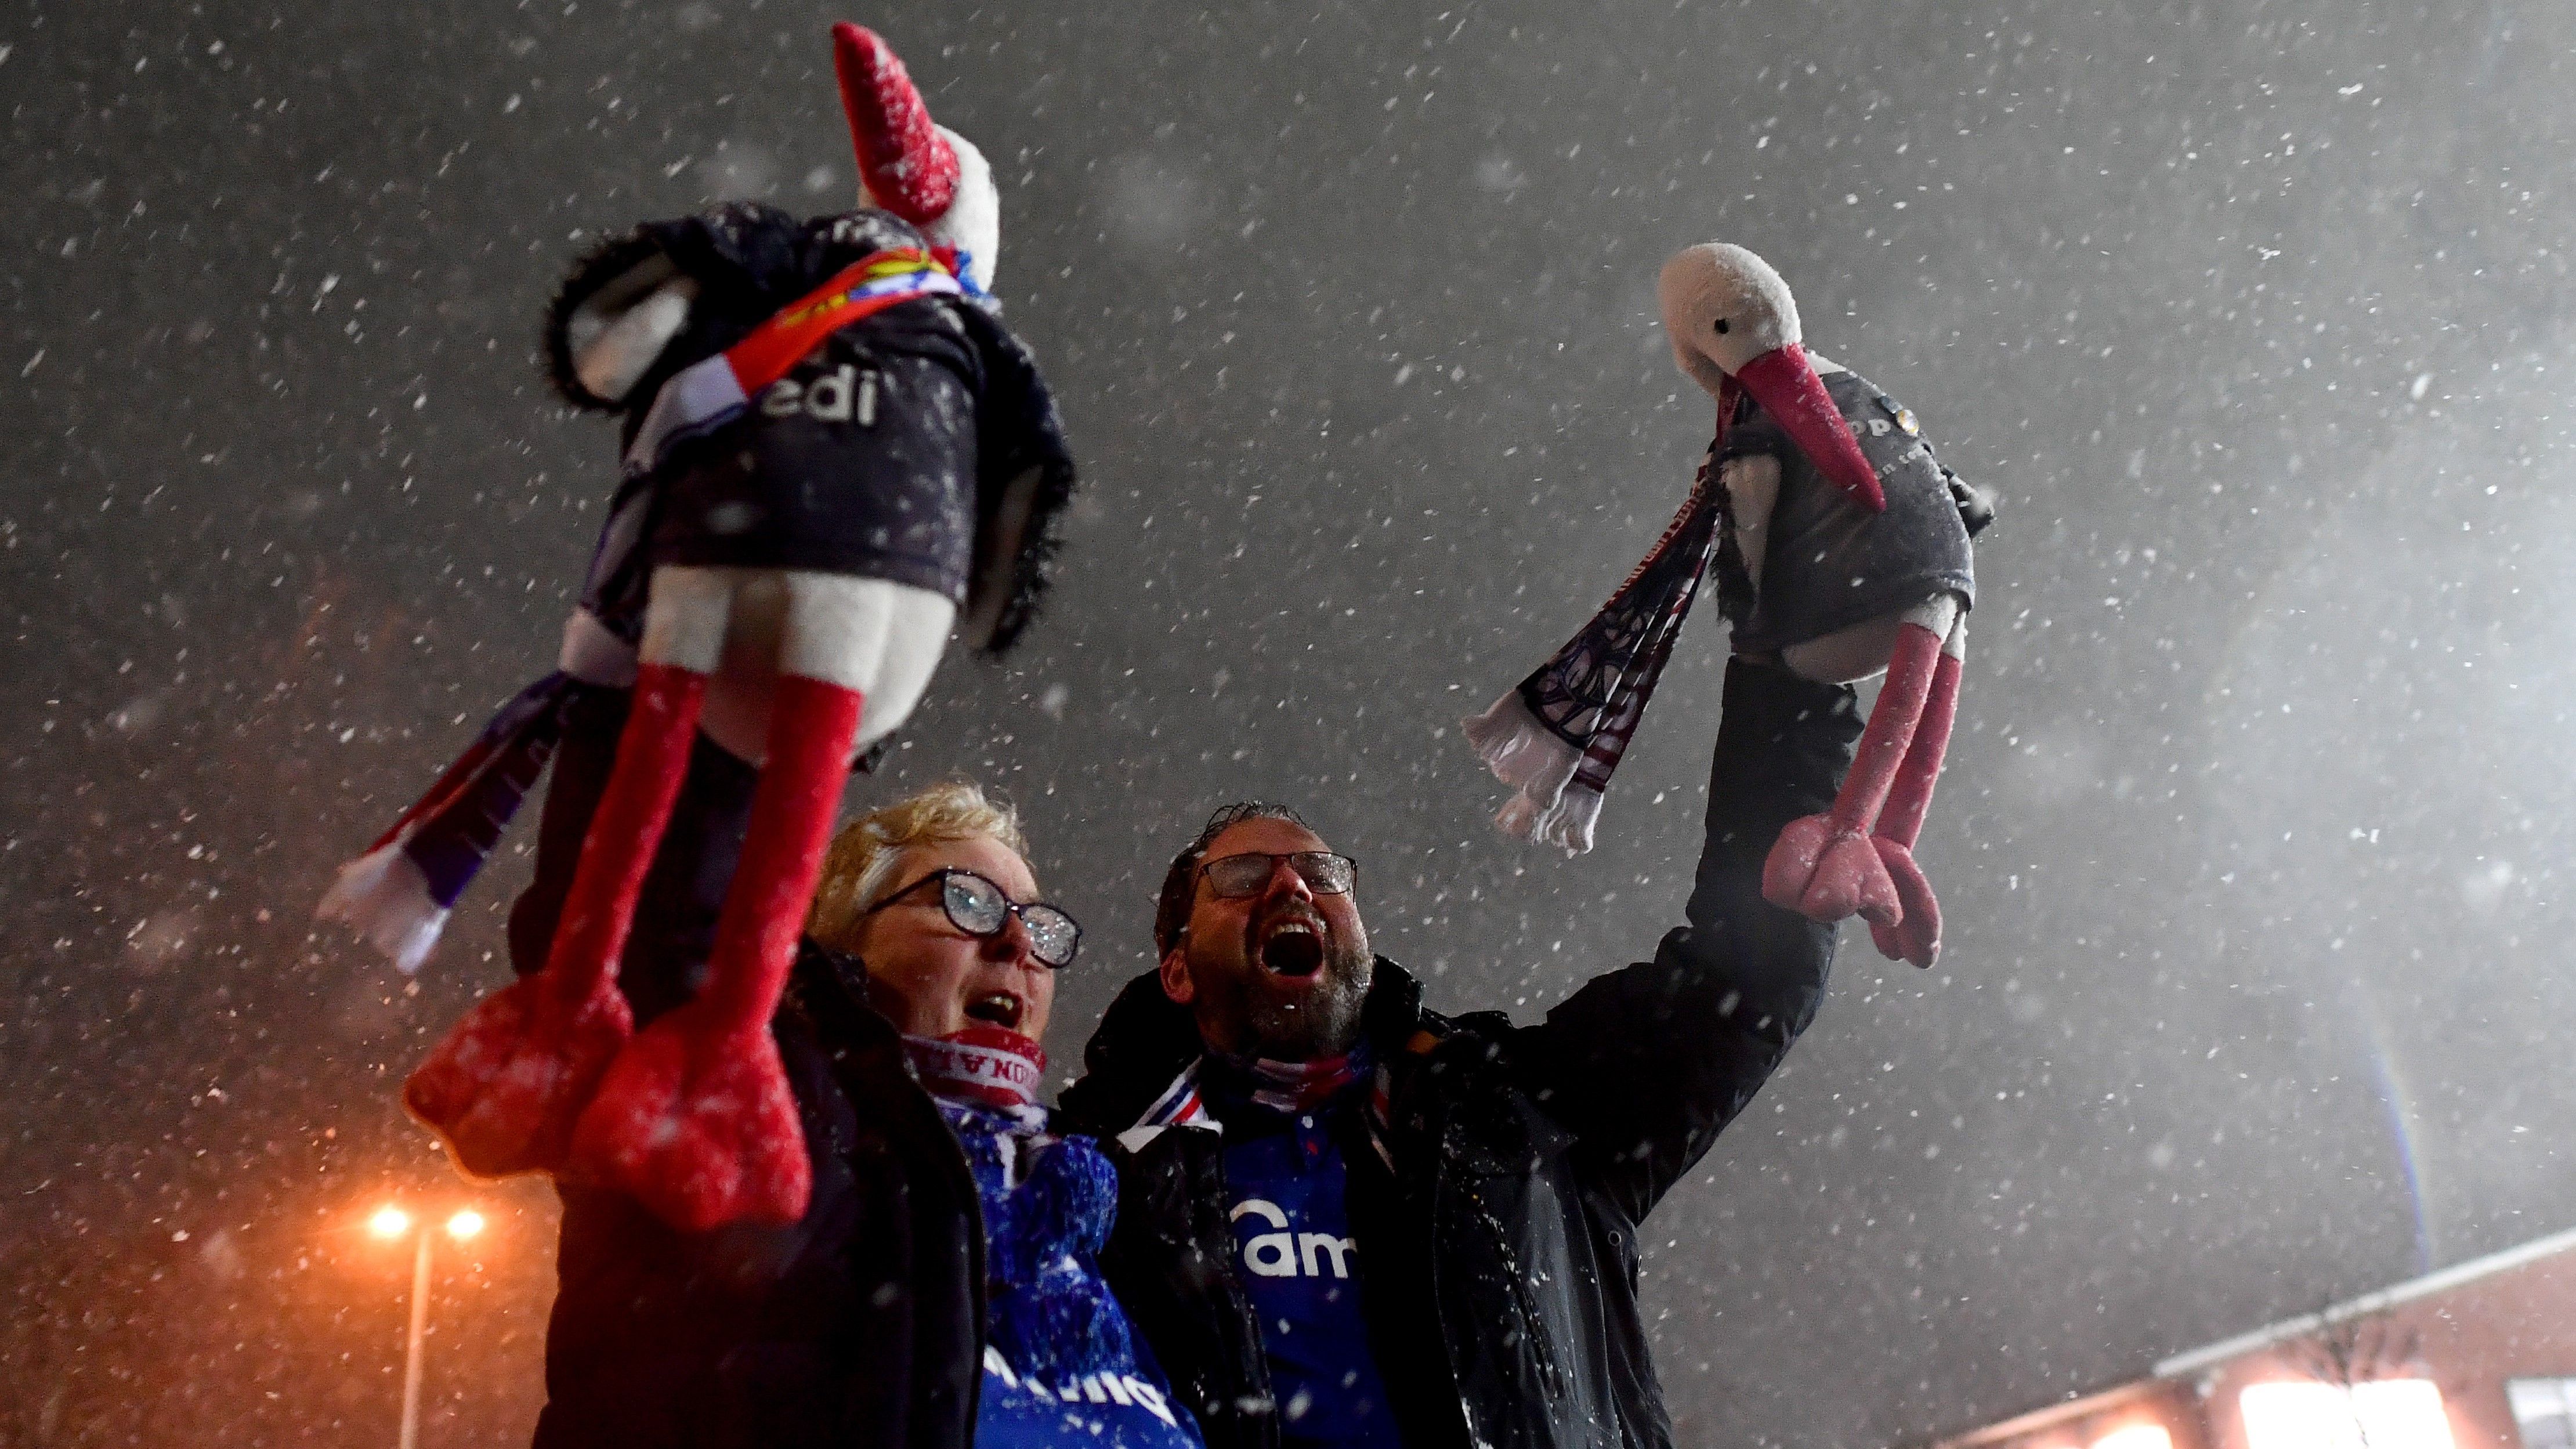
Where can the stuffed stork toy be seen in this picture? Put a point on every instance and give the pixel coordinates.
(834, 456)
(1841, 549)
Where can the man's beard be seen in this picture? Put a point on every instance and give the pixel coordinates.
(1325, 1023)
(1238, 997)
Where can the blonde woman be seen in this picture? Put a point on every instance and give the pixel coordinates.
(943, 1289)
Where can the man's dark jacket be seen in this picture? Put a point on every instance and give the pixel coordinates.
(1497, 1231)
(861, 1325)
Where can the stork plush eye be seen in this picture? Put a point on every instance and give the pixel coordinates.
(1721, 326)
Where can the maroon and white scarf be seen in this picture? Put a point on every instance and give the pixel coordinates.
(1557, 735)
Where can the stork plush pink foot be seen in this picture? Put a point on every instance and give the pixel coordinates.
(1825, 872)
(697, 1121)
(1915, 934)
(505, 1086)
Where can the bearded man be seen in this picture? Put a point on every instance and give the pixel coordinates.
(1347, 1220)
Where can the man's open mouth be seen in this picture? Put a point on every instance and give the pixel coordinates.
(1292, 948)
(1000, 1009)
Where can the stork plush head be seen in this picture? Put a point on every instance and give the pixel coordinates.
(1734, 327)
(924, 173)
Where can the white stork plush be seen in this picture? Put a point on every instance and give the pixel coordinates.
(1841, 550)
(832, 449)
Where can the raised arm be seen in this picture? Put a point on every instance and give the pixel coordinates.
(1647, 1064)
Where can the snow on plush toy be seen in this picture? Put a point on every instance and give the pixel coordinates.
(834, 455)
(1841, 547)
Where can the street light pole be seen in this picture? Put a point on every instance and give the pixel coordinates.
(419, 1330)
(391, 1223)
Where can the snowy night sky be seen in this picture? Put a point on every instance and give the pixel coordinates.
(2253, 843)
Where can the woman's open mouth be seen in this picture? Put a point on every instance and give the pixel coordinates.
(999, 1008)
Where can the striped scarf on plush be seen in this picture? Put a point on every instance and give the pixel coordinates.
(1558, 735)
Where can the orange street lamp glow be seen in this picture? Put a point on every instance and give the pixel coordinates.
(390, 1222)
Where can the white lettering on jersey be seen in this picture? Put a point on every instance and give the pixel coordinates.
(1124, 1389)
(1283, 1254)
(835, 397)
(1340, 1248)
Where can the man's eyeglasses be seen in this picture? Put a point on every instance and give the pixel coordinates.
(1324, 873)
(979, 908)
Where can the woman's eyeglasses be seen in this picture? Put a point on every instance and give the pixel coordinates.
(1324, 873)
(978, 907)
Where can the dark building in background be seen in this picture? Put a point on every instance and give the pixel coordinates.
(2478, 1356)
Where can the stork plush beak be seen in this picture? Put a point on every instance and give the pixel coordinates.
(1786, 385)
(906, 165)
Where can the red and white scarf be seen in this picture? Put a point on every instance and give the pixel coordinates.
(985, 1066)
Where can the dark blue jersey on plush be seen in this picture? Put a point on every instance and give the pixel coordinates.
(1287, 1183)
(1061, 1368)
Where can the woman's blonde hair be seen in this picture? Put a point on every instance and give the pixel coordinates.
(859, 869)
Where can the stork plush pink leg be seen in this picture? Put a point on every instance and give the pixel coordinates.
(506, 1085)
(696, 1118)
(1824, 866)
(1916, 936)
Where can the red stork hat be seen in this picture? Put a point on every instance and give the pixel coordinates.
(906, 165)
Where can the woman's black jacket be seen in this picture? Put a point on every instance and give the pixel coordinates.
(861, 1325)
(1497, 1228)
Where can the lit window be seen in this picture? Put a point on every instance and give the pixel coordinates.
(2136, 1436)
(2545, 1411)
(2382, 1414)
